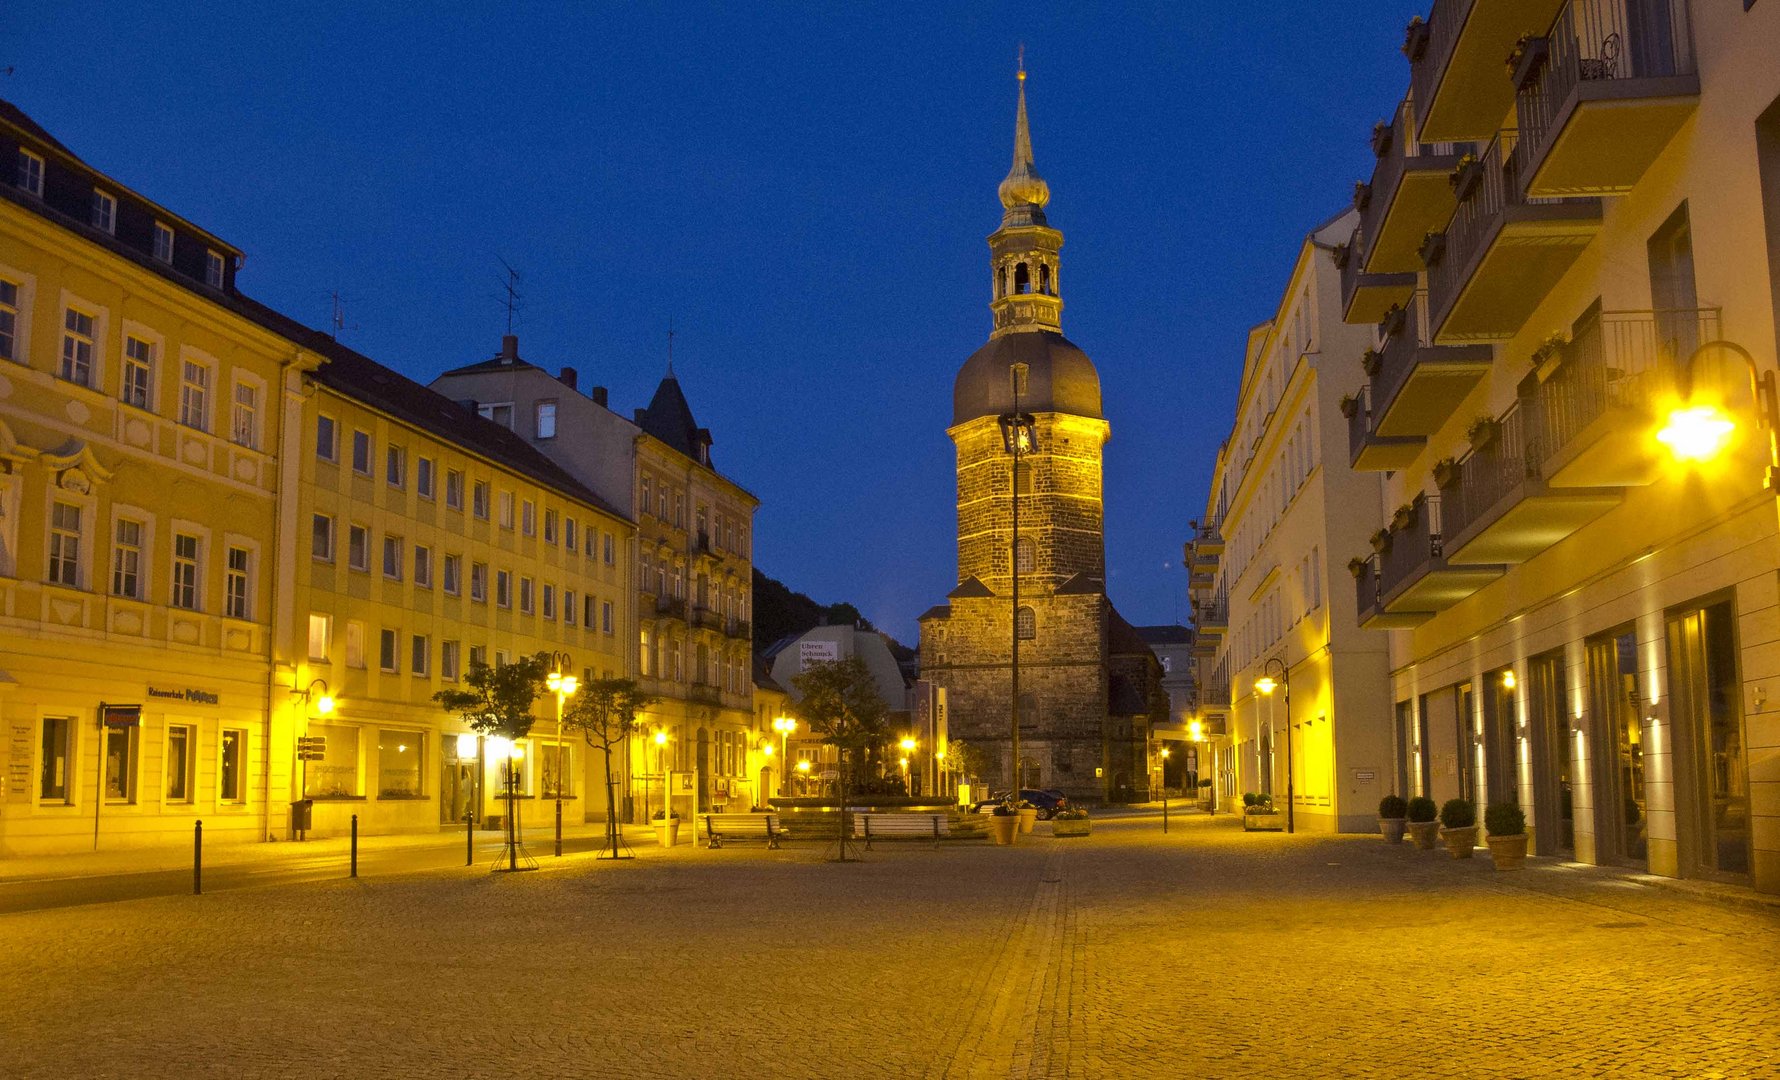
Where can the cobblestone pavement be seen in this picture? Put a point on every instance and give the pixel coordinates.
(1206, 953)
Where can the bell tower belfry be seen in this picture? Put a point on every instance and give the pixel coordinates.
(1024, 251)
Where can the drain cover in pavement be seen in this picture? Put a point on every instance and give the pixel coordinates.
(1619, 925)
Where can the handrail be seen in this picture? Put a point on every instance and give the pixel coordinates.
(1412, 548)
(1490, 471)
(1620, 359)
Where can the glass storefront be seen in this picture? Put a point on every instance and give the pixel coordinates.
(1708, 717)
(1618, 745)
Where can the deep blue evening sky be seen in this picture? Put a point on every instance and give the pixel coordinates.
(806, 194)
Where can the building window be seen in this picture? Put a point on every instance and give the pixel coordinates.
(58, 731)
(194, 393)
(327, 439)
(549, 601)
(1025, 556)
(237, 603)
(358, 548)
(554, 757)
(77, 347)
(478, 656)
(126, 560)
(64, 545)
(609, 547)
(321, 538)
(395, 466)
(139, 363)
(185, 571)
(387, 643)
(647, 489)
(336, 775)
(550, 526)
(479, 582)
(448, 660)
(546, 419)
(570, 538)
(454, 490)
(500, 414)
(213, 269)
(120, 764)
(398, 764)
(9, 320)
(423, 477)
(453, 573)
(568, 607)
(392, 558)
(528, 518)
(355, 645)
(423, 566)
(479, 496)
(590, 613)
(321, 631)
(1025, 624)
(180, 745)
(420, 655)
(361, 453)
(506, 510)
(163, 243)
(30, 175)
(503, 588)
(229, 777)
(526, 600)
(244, 426)
(605, 616)
(104, 212)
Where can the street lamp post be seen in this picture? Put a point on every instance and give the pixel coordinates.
(1163, 769)
(1266, 684)
(564, 687)
(908, 745)
(1018, 434)
(784, 725)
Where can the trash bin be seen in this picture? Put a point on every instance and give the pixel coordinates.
(302, 812)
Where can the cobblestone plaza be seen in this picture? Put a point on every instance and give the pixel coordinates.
(1205, 952)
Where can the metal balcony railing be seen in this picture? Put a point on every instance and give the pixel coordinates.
(1368, 595)
(1489, 472)
(1394, 157)
(671, 606)
(740, 628)
(1403, 333)
(1619, 360)
(706, 617)
(1444, 23)
(1214, 611)
(1359, 421)
(1497, 185)
(1414, 547)
(1602, 39)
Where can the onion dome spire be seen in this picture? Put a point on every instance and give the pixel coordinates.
(1023, 186)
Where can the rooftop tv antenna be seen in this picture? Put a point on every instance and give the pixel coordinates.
(670, 346)
(510, 289)
(337, 314)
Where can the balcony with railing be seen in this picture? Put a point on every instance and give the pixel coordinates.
(1498, 507)
(740, 628)
(1416, 578)
(1366, 296)
(1455, 63)
(1598, 405)
(706, 618)
(670, 607)
(705, 693)
(1211, 616)
(1409, 195)
(1417, 384)
(1369, 452)
(1603, 93)
(1207, 543)
(1503, 250)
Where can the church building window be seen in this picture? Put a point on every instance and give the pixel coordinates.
(1025, 624)
(1025, 558)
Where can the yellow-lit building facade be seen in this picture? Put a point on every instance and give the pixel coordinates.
(141, 410)
(430, 539)
(1581, 623)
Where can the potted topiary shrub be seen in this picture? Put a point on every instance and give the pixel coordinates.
(1205, 794)
(1506, 827)
(1423, 823)
(1004, 823)
(1259, 815)
(1392, 815)
(1458, 827)
(667, 828)
(1070, 822)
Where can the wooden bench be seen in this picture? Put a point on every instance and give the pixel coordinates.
(872, 827)
(721, 827)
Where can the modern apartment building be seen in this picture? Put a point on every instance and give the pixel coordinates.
(1571, 234)
(1284, 509)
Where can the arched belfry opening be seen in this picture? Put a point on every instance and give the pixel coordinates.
(1044, 278)
(1022, 279)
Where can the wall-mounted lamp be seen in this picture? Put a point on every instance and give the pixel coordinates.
(317, 690)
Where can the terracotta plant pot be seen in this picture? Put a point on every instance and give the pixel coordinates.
(1509, 852)
(1424, 833)
(1028, 818)
(1460, 842)
(1391, 828)
(1004, 827)
(1070, 827)
(667, 833)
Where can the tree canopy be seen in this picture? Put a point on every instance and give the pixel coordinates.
(498, 700)
(841, 703)
(605, 711)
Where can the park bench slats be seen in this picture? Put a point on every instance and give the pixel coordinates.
(722, 827)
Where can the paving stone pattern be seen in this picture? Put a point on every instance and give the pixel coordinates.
(1206, 953)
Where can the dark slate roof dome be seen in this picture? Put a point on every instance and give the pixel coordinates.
(1060, 378)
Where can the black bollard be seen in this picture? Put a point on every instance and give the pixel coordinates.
(470, 839)
(355, 845)
(198, 858)
(559, 828)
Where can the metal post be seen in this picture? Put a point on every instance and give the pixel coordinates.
(470, 838)
(197, 858)
(354, 845)
(559, 806)
(1164, 800)
(1291, 792)
(1014, 574)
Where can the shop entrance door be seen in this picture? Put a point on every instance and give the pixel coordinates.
(1712, 773)
(1548, 731)
(457, 785)
(1616, 744)
(1467, 744)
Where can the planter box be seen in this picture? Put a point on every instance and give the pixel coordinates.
(667, 835)
(1070, 827)
(1392, 829)
(1424, 833)
(1264, 821)
(1508, 852)
(1028, 818)
(1003, 828)
(1460, 843)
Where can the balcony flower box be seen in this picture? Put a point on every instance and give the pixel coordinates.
(1527, 60)
(1548, 348)
(1393, 322)
(1362, 195)
(1341, 254)
(1415, 39)
(1358, 567)
(1404, 519)
(1433, 247)
(1372, 360)
(1350, 405)
(1483, 432)
(1465, 177)
(1381, 139)
(1446, 473)
(1381, 541)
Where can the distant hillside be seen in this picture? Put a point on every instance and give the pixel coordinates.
(780, 613)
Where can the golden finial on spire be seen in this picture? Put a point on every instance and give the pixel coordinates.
(1022, 75)
(1023, 186)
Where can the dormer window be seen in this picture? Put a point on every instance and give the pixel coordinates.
(213, 269)
(163, 242)
(104, 212)
(30, 177)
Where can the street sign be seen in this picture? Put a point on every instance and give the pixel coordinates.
(120, 715)
(311, 747)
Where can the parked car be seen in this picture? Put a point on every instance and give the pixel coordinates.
(1048, 802)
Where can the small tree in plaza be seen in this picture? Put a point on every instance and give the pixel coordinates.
(497, 702)
(971, 760)
(841, 703)
(605, 713)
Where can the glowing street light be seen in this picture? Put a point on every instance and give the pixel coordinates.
(1697, 433)
(784, 725)
(1266, 685)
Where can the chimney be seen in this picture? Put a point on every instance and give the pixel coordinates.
(509, 348)
(598, 394)
(568, 377)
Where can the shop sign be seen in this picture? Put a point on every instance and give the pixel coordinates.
(191, 695)
(817, 652)
(120, 715)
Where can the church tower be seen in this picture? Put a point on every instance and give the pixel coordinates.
(1062, 618)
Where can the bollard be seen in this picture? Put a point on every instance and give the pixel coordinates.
(470, 838)
(198, 858)
(355, 845)
(559, 828)
(1165, 814)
